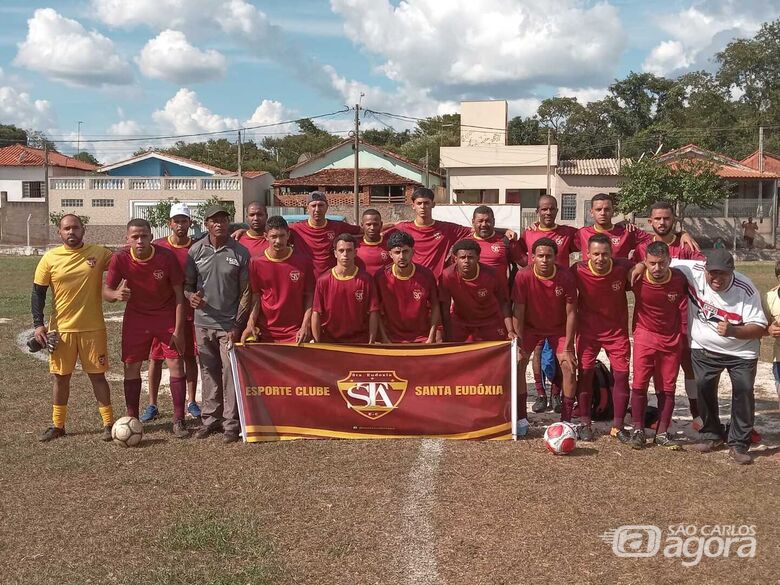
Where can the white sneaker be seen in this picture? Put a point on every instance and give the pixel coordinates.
(522, 427)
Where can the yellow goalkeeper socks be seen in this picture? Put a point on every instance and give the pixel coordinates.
(107, 414)
(59, 413)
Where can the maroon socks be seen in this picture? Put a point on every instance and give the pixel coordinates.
(665, 411)
(638, 408)
(567, 406)
(585, 395)
(619, 398)
(178, 396)
(133, 396)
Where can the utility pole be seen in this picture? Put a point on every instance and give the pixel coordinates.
(760, 207)
(427, 172)
(240, 173)
(357, 162)
(46, 181)
(78, 136)
(619, 159)
(549, 156)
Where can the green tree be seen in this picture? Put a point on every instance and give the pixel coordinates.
(86, 157)
(10, 134)
(688, 183)
(160, 214)
(38, 139)
(526, 131)
(200, 210)
(55, 217)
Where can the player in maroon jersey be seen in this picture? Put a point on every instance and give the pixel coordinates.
(564, 237)
(545, 298)
(150, 280)
(179, 243)
(408, 296)
(662, 220)
(282, 283)
(373, 253)
(496, 250)
(479, 299)
(316, 235)
(253, 239)
(659, 297)
(345, 309)
(602, 322)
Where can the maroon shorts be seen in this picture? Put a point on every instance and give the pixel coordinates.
(618, 350)
(651, 363)
(463, 332)
(531, 339)
(138, 335)
(190, 347)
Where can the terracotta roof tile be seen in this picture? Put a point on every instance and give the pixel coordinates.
(18, 155)
(591, 166)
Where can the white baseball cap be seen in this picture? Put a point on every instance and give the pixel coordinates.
(180, 209)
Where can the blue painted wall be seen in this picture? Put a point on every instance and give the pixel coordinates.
(155, 167)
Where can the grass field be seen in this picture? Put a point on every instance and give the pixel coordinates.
(78, 510)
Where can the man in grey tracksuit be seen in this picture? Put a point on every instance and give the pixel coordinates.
(217, 287)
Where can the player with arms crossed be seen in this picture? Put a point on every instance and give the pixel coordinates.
(659, 297)
(372, 253)
(345, 309)
(74, 271)
(408, 296)
(179, 243)
(282, 283)
(150, 279)
(602, 322)
(662, 221)
(545, 308)
(315, 236)
(479, 299)
(564, 237)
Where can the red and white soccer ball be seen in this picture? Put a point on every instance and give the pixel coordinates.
(127, 431)
(560, 438)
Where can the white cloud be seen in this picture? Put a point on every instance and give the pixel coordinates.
(125, 128)
(461, 47)
(703, 29)
(62, 49)
(584, 95)
(20, 109)
(185, 114)
(171, 57)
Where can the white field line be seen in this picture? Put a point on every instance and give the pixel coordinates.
(418, 533)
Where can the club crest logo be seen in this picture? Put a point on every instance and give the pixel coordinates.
(496, 248)
(417, 294)
(672, 297)
(372, 394)
(295, 275)
(558, 291)
(158, 274)
(709, 310)
(437, 236)
(384, 255)
(102, 360)
(558, 240)
(615, 240)
(359, 295)
(617, 285)
(331, 236)
(482, 293)
(91, 261)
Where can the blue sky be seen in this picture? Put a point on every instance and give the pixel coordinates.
(168, 67)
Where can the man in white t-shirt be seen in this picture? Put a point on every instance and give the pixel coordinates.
(726, 321)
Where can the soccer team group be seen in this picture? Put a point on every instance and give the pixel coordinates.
(419, 281)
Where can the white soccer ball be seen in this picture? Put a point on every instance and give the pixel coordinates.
(560, 438)
(127, 431)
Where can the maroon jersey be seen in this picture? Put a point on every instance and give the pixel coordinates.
(374, 256)
(283, 286)
(477, 301)
(317, 242)
(602, 306)
(564, 237)
(623, 241)
(497, 252)
(676, 250)
(545, 300)
(344, 304)
(406, 303)
(150, 281)
(658, 310)
(432, 243)
(255, 244)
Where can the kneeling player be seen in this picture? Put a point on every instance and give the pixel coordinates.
(408, 299)
(282, 283)
(345, 308)
(155, 311)
(545, 298)
(480, 307)
(659, 297)
(602, 321)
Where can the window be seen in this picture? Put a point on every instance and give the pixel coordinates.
(102, 203)
(569, 206)
(476, 195)
(32, 189)
(73, 203)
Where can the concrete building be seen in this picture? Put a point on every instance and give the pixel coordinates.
(578, 180)
(484, 169)
(127, 189)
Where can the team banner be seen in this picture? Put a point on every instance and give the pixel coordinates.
(318, 390)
